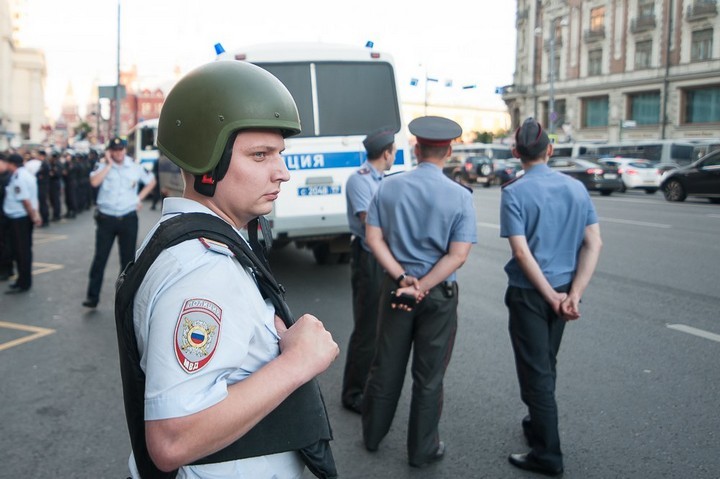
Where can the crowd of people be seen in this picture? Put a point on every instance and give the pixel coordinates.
(37, 188)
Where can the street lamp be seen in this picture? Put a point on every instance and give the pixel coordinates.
(117, 84)
(552, 115)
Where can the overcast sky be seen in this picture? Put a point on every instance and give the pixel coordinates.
(468, 42)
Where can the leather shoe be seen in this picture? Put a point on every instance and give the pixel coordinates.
(439, 454)
(14, 289)
(90, 303)
(528, 463)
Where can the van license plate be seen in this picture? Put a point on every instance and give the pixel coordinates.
(610, 176)
(319, 190)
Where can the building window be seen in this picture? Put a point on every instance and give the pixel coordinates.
(25, 131)
(597, 19)
(559, 117)
(701, 48)
(645, 108)
(554, 69)
(702, 105)
(595, 62)
(595, 111)
(643, 55)
(646, 8)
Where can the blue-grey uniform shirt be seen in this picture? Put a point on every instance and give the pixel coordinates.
(22, 186)
(118, 193)
(360, 188)
(421, 212)
(551, 210)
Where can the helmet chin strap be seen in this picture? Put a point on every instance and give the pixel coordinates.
(206, 183)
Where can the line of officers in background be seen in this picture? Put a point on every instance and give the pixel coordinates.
(62, 185)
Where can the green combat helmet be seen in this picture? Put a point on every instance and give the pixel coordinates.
(212, 102)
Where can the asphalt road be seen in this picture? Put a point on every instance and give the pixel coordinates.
(638, 373)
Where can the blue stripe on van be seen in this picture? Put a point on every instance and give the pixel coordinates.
(317, 161)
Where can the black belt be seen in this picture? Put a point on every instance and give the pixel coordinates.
(103, 215)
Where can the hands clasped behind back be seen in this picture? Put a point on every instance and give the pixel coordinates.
(308, 342)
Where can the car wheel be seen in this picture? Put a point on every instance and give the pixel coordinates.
(715, 201)
(606, 192)
(674, 191)
(457, 177)
(485, 169)
(650, 191)
(623, 188)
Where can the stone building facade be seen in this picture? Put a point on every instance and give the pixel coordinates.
(614, 70)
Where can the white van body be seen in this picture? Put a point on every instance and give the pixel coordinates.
(342, 93)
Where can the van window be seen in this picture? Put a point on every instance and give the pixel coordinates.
(352, 97)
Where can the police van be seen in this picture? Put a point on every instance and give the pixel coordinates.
(142, 143)
(342, 93)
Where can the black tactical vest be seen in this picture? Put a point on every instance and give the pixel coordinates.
(299, 423)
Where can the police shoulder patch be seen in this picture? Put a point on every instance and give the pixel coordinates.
(197, 333)
(363, 171)
(216, 246)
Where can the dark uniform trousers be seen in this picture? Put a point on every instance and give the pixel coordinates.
(125, 228)
(54, 196)
(536, 332)
(429, 330)
(366, 277)
(20, 234)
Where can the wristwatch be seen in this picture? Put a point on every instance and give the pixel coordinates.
(400, 278)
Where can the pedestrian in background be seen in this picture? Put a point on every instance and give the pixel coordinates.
(6, 262)
(117, 176)
(365, 272)
(553, 231)
(55, 185)
(20, 207)
(420, 227)
(43, 183)
(70, 177)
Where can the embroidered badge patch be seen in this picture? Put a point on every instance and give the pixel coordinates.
(196, 333)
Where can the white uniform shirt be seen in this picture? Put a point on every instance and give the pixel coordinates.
(202, 325)
(118, 193)
(22, 186)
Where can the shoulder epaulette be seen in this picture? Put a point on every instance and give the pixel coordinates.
(363, 171)
(511, 181)
(216, 246)
(394, 173)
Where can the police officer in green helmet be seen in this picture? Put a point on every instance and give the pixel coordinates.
(218, 359)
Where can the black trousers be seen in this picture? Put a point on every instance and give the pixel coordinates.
(6, 257)
(20, 232)
(107, 228)
(366, 276)
(536, 332)
(429, 331)
(43, 194)
(55, 190)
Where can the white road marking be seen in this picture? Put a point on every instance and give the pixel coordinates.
(635, 223)
(694, 331)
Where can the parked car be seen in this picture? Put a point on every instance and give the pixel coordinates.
(473, 169)
(636, 173)
(506, 170)
(701, 178)
(594, 176)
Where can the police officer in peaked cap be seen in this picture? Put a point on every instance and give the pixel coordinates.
(548, 271)
(420, 227)
(365, 272)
